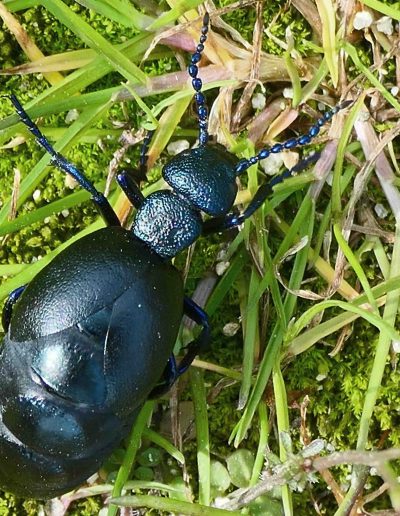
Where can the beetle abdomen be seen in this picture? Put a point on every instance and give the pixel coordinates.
(30, 474)
(72, 381)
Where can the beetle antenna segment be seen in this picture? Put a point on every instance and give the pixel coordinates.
(197, 83)
(298, 141)
(59, 161)
(233, 220)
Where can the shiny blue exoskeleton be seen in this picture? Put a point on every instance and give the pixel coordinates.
(91, 337)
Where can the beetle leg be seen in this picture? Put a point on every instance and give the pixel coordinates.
(170, 375)
(59, 161)
(8, 306)
(144, 156)
(129, 181)
(173, 371)
(200, 317)
(233, 219)
(131, 189)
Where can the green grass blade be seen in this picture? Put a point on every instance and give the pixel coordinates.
(385, 9)
(355, 264)
(327, 12)
(171, 506)
(164, 444)
(372, 318)
(282, 418)
(129, 457)
(352, 52)
(170, 16)
(262, 444)
(250, 317)
(225, 283)
(119, 11)
(202, 435)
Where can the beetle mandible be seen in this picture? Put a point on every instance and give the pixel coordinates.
(91, 337)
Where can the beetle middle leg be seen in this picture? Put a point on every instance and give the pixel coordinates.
(173, 370)
(128, 182)
(8, 306)
(101, 202)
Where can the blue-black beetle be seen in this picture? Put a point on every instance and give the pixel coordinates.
(91, 337)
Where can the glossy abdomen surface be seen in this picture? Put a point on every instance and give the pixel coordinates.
(88, 340)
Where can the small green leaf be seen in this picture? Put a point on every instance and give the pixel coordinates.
(220, 478)
(240, 465)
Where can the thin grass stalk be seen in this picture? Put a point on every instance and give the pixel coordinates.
(250, 316)
(129, 457)
(262, 443)
(171, 506)
(202, 434)
(282, 418)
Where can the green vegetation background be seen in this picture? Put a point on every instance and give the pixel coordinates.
(336, 385)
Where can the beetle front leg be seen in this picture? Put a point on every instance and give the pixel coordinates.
(129, 182)
(9, 305)
(173, 370)
(142, 171)
(130, 188)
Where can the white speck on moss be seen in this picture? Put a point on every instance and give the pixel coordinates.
(362, 20)
(36, 195)
(177, 146)
(70, 182)
(258, 101)
(385, 25)
(71, 116)
(287, 93)
(272, 164)
(380, 210)
(221, 267)
(396, 346)
(230, 329)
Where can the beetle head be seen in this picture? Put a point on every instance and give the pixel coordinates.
(205, 176)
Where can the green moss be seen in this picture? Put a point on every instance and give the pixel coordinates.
(244, 20)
